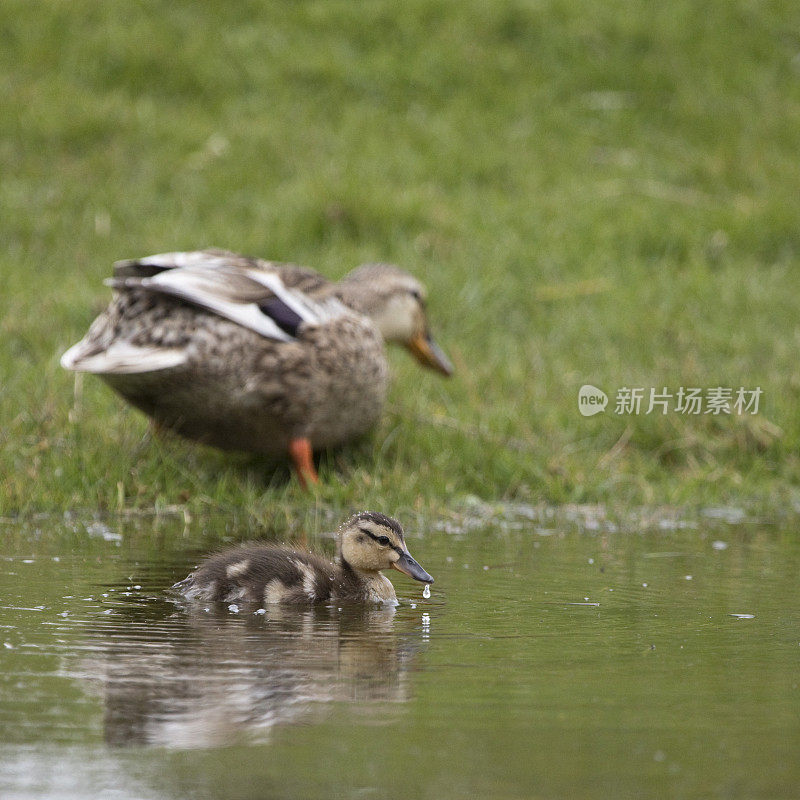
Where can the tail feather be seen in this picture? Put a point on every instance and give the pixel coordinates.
(120, 358)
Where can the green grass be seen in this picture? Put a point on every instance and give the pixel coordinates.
(598, 193)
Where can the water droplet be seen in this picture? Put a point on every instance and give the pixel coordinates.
(719, 545)
(591, 561)
(645, 585)
(426, 626)
(426, 592)
(233, 608)
(688, 577)
(743, 616)
(260, 611)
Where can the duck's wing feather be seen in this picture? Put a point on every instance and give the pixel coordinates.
(304, 279)
(294, 276)
(254, 298)
(152, 265)
(269, 299)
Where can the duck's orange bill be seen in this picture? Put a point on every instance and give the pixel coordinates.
(427, 352)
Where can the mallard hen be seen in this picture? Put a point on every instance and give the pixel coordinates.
(246, 354)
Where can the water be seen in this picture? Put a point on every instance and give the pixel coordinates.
(552, 659)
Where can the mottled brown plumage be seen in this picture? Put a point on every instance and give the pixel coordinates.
(267, 574)
(246, 354)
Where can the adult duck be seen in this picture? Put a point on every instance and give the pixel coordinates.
(246, 354)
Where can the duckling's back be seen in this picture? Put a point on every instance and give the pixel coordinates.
(263, 574)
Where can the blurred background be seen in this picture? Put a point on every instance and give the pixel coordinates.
(594, 193)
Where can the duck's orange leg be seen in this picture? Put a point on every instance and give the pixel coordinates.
(303, 459)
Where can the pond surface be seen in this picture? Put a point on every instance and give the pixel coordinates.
(558, 656)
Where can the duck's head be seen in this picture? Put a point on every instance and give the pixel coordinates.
(371, 542)
(395, 301)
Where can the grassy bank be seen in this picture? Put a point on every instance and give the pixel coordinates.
(593, 193)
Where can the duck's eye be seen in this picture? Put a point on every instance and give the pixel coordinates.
(416, 294)
(384, 540)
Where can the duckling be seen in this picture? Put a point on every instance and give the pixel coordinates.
(252, 355)
(268, 574)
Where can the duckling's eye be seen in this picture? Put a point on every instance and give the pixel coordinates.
(384, 540)
(417, 295)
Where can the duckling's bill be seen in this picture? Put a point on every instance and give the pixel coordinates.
(428, 353)
(410, 567)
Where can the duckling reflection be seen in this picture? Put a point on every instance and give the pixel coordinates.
(207, 677)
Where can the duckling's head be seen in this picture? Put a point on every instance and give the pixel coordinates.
(395, 301)
(370, 542)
